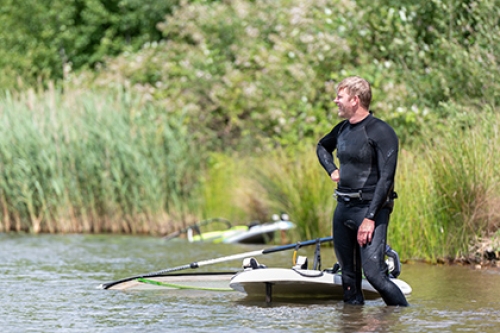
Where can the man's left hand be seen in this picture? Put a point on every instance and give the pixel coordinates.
(365, 232)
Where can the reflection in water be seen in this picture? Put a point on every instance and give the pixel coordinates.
(360, 319)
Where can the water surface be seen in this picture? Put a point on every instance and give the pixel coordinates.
(49, 284)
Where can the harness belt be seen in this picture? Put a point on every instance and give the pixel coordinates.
(358, 195)
(361, 195)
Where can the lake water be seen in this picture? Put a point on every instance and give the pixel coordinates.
(49, 284)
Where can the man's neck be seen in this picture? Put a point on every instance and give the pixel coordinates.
(359, 116)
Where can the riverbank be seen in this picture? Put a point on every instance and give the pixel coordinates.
(483, 254)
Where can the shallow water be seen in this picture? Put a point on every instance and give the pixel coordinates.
(49, 284)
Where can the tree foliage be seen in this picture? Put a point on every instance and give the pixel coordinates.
(43, 39)
(245, 69)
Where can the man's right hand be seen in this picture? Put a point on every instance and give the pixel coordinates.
(335, 176)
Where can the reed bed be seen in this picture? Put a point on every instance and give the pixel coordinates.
(464, 167)
(92, 162)
(411, 231)
(227, 193)
(299, 186)
(256, 187)
(448, 191)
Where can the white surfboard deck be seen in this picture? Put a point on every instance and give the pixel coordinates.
(297, 283)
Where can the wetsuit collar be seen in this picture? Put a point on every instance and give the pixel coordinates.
(362, 120)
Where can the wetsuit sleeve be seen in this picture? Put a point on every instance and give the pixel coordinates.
(325, 149)
(386, 144)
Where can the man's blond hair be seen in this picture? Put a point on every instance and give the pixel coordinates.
(357, 86)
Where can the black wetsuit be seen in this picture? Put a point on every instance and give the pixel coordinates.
(367, 152)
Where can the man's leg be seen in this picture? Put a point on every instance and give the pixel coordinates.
(374, 266)
(348, 254)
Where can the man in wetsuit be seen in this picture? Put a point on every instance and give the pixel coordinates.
(367, 150)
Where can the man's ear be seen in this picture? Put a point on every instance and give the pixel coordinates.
(355, 100)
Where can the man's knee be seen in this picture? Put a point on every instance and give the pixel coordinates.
(376, 277)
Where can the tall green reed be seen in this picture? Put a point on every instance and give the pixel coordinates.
(448, 190)
(463, 162)
(244, 188)
(296, 184)
(412, 231)
(92, 162)
(225, 191)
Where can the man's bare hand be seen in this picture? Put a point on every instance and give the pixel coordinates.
(365, 232)
(335, 176)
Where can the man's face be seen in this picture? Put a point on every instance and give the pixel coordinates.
(345, 104)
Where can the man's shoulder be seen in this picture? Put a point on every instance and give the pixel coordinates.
(378, 125)
(379, 122)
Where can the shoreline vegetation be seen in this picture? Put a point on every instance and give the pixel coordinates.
(219, 114)
(86, 162)
(482, 254)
